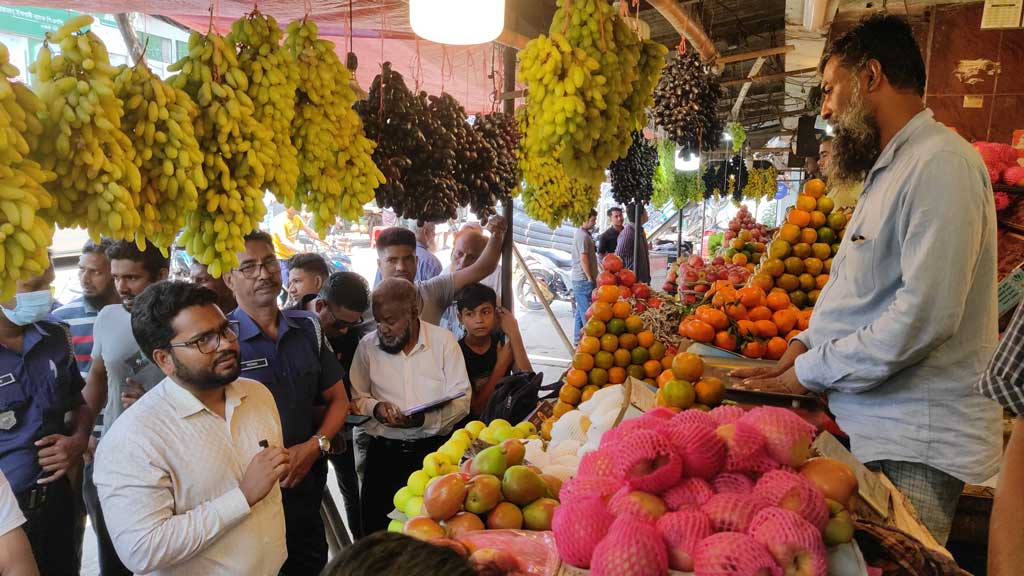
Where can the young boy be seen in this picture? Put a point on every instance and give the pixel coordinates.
(492, 346)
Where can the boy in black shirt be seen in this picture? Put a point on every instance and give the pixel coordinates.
(492, 346)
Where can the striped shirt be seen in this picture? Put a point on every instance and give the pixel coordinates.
(81, 317)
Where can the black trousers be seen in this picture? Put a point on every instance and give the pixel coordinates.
(110, 564)
(388, 466)
(348, 483)
(50, 527)
(304, 528)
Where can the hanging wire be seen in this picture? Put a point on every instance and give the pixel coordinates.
(417, 72)
(351, 32)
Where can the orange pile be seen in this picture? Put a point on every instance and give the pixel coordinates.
(799, 257)
(749, 321)
(682, 385)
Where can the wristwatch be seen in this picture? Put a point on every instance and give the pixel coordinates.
(324, 442)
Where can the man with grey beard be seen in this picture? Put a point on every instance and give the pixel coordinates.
(404, 364)
(898, 339)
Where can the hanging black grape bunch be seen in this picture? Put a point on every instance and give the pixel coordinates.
(391, 117)
(496, 171)
(714, 179)
(632, 177)
(686, 104)
(417, 140)
(739, 174)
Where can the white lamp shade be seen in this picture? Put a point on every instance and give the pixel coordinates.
(457, 21)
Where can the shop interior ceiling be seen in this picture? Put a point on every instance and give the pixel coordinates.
(472, 74)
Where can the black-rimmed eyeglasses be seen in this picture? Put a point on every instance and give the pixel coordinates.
(209, 342)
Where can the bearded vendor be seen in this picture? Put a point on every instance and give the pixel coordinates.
(907, 322)
(410, 377)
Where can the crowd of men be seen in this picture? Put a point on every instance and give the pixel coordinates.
(206, 415)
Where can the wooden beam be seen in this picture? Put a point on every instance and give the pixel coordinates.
(754, 71)
(686, 27)
(722, 60)
(512, 39)
(768, 77)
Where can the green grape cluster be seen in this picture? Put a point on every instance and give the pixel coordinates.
(589, 82)
(24, 234)
(337, 170)
(237, 151)
(273, 79)
(549, 194)
(160, 119)
(97, 182)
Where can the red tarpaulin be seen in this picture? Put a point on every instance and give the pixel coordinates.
(379, 32)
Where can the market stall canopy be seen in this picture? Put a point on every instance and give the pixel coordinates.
(379, 32)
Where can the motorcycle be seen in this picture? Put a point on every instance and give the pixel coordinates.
(553, 271)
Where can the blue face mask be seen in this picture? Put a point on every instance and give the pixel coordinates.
(31, 307)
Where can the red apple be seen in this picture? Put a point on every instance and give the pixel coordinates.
(627, 277)
(625, 292)
(696, 261)
(612, 263)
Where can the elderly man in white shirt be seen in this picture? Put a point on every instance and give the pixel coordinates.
(188, 477)
(404, 364)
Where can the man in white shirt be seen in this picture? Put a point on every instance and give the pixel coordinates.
(405, 363)
(188, 478)
(15, 551)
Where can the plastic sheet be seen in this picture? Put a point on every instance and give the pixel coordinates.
(535, 551)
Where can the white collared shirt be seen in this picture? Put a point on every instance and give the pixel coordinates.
(168, 474)
(432, 370)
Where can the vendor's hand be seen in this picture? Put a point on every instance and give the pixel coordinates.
(496, 225)
(785, 383)
(795, 349)
(302, 457)
(57, 453)
(130, 392)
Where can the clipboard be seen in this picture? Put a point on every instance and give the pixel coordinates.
(428, 405)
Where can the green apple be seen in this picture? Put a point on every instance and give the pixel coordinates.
(434, 464)
(414, 507)
(474, 428)
(417, 482)
(451, 451)
(402, 497)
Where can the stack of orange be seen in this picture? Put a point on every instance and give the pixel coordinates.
(682, 385)
(615, 346)
(748, 320)
(799, 257)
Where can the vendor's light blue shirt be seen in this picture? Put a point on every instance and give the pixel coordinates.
(907, 322)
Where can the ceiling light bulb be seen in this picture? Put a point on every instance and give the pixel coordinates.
(457, 21)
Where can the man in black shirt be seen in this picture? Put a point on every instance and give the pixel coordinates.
(609, 239)
(339, 306)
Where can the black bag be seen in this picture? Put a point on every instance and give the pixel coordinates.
(516, 396)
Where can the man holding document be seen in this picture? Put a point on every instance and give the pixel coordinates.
(411, 377)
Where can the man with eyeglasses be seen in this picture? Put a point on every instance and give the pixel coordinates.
(119, 373)
(338, 306)
(189, 476)
(287, 352)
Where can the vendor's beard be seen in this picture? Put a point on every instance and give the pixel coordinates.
(394, 344)
(856, 144)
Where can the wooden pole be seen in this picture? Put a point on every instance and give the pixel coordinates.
(124, 24)
(638, 228)
(509, 107)
(543, 300)
(768, 77)
(721, 60)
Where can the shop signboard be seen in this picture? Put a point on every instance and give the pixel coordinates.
(36, 22)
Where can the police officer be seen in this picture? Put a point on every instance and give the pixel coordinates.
(39, 384)
(287, 352)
